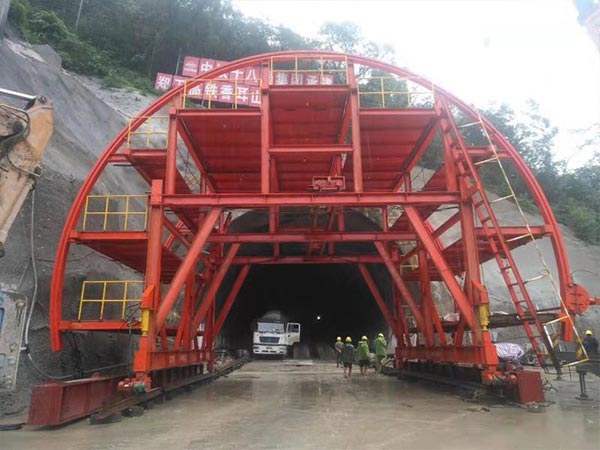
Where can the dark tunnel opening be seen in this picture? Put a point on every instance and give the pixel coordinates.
(328, 300)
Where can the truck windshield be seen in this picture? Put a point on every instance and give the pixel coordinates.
(272, 327)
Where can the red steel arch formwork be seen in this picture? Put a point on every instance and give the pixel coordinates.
(318, 133)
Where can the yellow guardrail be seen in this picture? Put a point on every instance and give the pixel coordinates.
(393, 92)
(141, 137)
(309, 70)
(412, 263)
(102, 296)
(102, 206)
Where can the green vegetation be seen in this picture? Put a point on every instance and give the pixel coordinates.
(125, 42)
(573, 194)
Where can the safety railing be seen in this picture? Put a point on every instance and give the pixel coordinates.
(152, 133)
(411, 264)
(240, 88)
(308, 70)
(113, 298)
(393, 92)
(100, 210)
(220, 93)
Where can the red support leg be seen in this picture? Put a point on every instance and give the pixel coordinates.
(208, 337)
(404, 330)
(186, 266)
(214, 285)
(186, 312)
(400, 284)
(378, 298)
(235, 289)
(426, 298)
(438, 259)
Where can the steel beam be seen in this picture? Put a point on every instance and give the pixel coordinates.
(378, 298)
(317, 236)
(449, 354)
(171, 162)
(416, 154)
(349, 199)
(265, 131)
(214, 286)
(310, 150)
(306, 259)
(186, 266)
(400, 284)
(160, 360)
(152, 297)
(356, 143)
(235, 289)
(439, 261)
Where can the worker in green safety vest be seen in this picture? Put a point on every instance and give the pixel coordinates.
(363, 355)
(380, 350)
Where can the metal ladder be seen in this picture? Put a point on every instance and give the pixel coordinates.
(499, 246)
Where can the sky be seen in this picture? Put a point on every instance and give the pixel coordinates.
(484, 52)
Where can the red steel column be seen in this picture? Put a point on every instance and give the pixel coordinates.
(448, 150)
(208, 338)
(171, 162)
(355, 114)
(265, 132)
(151, 298)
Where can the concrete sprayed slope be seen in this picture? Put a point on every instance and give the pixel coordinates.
(84, 125)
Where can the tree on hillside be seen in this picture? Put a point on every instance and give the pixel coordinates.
(347, 37)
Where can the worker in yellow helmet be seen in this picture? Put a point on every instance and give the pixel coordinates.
(590, 343)
(380, 350)
(348, 357)
(339, 345)
(363, 355)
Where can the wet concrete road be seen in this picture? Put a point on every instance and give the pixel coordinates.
(279, 405)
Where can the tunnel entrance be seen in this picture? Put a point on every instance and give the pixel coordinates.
(328, 300)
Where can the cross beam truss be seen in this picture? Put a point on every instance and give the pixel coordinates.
(320, 151)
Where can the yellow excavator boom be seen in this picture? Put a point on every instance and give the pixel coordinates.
(24, 135)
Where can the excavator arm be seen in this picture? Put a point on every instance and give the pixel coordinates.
(24, 135)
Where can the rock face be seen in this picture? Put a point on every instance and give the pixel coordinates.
(87, 117)
(4, 5)
(84, 125)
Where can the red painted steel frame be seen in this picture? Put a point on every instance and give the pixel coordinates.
(263, 159)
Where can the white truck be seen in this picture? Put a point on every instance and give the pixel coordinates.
(273, 335)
